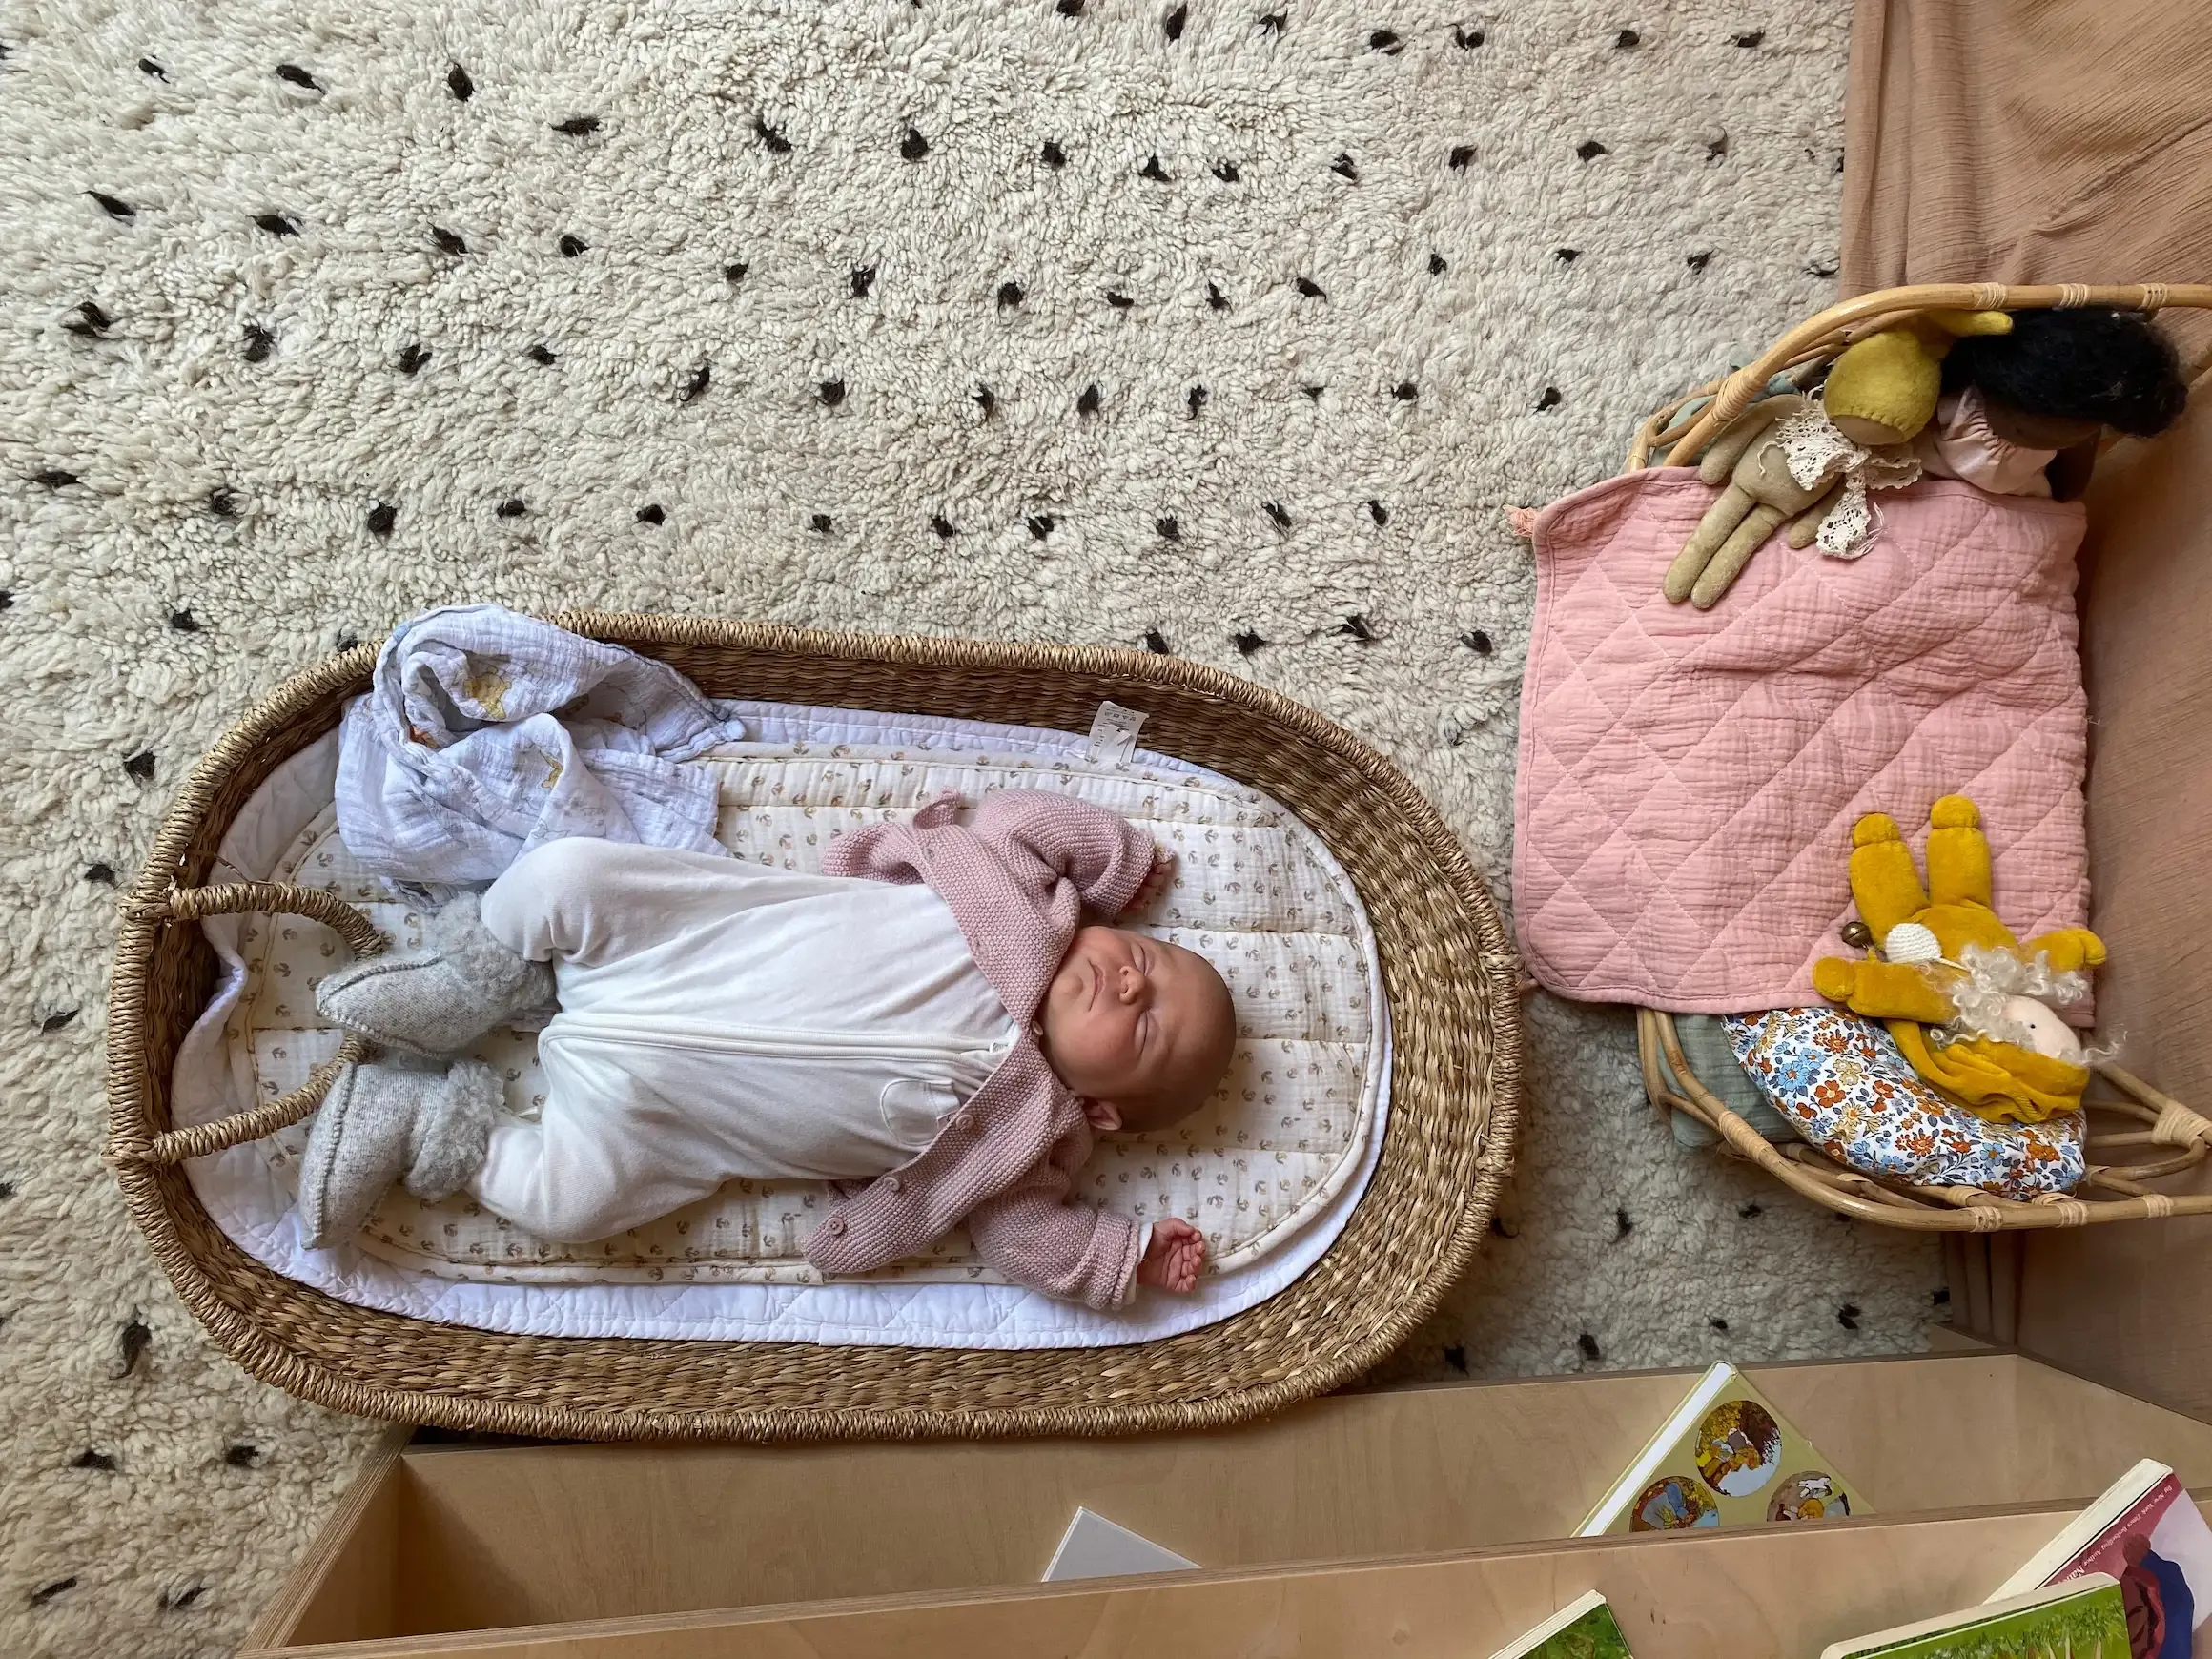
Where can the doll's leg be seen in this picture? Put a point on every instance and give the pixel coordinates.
(1883, 881)
(1958, 854)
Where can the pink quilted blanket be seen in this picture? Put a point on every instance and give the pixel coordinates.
(1689, 779)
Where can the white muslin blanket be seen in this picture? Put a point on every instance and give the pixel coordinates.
(487, 733)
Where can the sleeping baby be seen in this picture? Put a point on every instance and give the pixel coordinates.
(930, 1025)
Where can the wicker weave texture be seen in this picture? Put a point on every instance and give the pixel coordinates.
(1448, 970)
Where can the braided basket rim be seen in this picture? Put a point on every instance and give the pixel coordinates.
(1449, 969)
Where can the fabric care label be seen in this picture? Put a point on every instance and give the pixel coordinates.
(1114, 734)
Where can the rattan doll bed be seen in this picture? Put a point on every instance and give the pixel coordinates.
(2154, 1135)
(1447, 966)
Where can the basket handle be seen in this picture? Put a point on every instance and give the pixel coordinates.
(190, 904)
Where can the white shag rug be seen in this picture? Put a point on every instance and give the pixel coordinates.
(1228, 328)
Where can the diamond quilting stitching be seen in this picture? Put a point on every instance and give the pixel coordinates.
(1692, 867)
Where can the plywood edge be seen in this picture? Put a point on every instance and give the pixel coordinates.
(280, 1620)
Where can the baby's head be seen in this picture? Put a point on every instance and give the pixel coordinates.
(1141, 1029)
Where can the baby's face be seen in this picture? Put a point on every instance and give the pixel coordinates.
(1140, 1028)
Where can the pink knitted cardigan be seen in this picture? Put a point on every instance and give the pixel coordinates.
(1017, 881)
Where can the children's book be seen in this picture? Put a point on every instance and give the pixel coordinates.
(1094, 1547)
(2081, 1619)
(1582, 1629)
(2147, 1532)
(1726, 1457)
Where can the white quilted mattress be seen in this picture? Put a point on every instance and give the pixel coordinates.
(1269, 1171)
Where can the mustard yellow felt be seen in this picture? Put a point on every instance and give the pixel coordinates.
(1883, 389)
(1994, 1079)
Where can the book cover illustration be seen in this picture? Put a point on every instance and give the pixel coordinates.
(1726, 1459)
(1584, 1629)
(2146, 1533)
(2084, 1619)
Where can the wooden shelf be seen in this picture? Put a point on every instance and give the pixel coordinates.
(1437, 1512)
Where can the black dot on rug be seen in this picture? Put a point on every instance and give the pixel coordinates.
(132, 1342)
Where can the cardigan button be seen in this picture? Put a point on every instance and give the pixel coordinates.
(837, 1226)
(898, 1183)
(964, 1120)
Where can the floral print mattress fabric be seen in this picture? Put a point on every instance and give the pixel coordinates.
(1840, 1080)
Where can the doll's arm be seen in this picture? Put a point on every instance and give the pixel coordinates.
(1077, 1252)
(1057, 837)
(2069, 950)
(1881, 990)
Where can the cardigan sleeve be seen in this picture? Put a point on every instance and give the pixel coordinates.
(1077, 1252)
(1052, 837)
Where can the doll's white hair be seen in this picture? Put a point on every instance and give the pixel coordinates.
(1991, 975)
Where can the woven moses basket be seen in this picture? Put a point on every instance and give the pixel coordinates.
(1447, 966)
(2146, 1134)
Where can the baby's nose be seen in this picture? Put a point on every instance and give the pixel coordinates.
(1134, 984)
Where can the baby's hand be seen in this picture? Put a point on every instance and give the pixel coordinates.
(1157, 881)
(1173, 1257)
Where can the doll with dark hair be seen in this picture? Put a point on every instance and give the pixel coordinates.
(2092, 368)
(2043, 391)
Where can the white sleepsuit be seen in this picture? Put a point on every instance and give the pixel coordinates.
(721, 1018)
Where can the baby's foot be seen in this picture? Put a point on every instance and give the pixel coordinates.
(442, 998)
(382, 1121)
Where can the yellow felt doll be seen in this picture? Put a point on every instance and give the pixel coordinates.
(1966, 1003)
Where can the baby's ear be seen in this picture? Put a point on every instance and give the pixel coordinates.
(1104, 1115)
